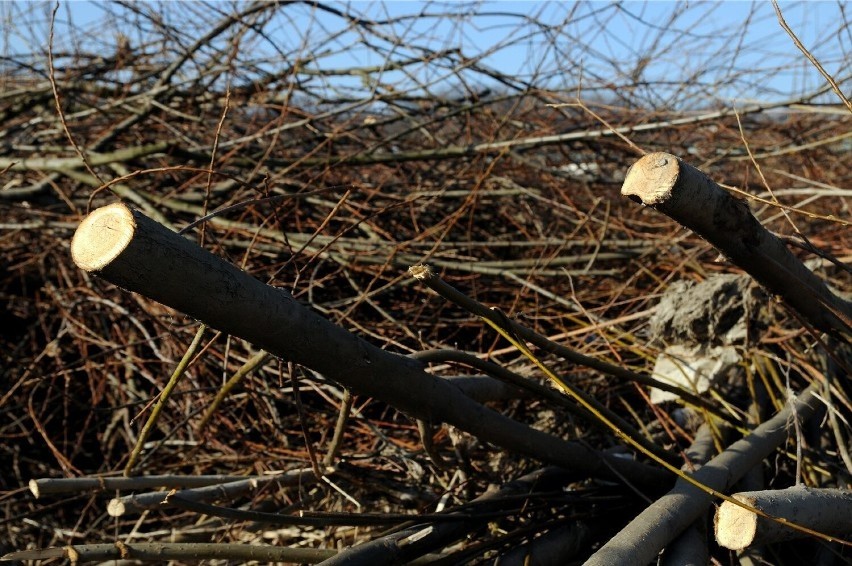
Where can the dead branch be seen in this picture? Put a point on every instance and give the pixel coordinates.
(46, 486)
(160, 551)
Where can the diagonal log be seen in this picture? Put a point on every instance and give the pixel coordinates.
(652, 530)
(688, 196)
(130, 250)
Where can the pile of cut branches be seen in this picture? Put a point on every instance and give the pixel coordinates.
(382, 419)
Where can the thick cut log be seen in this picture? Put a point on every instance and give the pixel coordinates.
(132, 251)
(828, 511)
(688, 196)
(41, 487)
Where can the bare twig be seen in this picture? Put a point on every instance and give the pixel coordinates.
(811, 58)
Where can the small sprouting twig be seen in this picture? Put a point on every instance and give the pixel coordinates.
(209, 183)
(291, 369)
(339, 427)
(617, 131)
(164, 396)
(763, 177)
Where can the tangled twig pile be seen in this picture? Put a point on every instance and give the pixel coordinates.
(329, 182)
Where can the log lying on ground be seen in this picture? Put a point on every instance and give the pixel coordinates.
(688, 196)
(828, 511)
(653, 529)
(132, 251)
(162, 552)
(136, 503)
(44, 486)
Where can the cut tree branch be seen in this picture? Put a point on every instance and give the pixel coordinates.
(132, 251)
(828, 511)
(688, 196)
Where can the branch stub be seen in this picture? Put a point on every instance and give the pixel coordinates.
(652, 178)
(102, 237)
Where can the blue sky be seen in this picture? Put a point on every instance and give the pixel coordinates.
(736, 49)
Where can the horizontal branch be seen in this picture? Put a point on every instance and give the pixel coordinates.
(828, 511)
(136, 503)
(471, 150)
(46, 486)
(65, 163)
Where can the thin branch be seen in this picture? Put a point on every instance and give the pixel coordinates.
(811, 58)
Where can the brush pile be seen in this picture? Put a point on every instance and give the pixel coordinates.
(329, 182)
